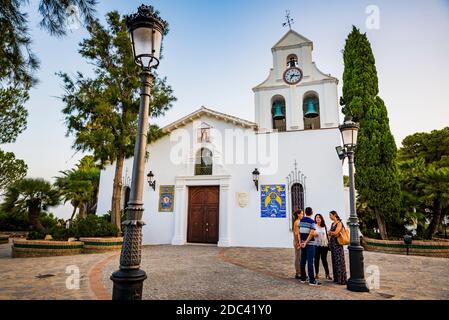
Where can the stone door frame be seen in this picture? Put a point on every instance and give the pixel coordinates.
(181, 207)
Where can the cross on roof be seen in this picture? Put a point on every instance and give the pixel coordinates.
(288, 19)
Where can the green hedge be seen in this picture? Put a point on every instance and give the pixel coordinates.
(92, 226)
(14, 221)
(19, 221)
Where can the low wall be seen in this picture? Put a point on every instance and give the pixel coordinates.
(40, 248)
(22, 248)
(97, 245)
(4, 239)
(419, 248)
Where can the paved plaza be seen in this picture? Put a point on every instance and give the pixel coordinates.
(209, 272)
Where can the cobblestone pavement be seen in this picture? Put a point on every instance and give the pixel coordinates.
(202, 272)
(207, 272)
(44, 278)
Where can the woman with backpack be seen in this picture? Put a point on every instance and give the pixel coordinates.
(337, 252)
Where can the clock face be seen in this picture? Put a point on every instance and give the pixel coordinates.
(293, 75)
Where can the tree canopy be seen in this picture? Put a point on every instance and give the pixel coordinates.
(101, 112)
(11, 169)
(375, 158)
(79, 186)
(32, 196)
(18, 65)
(424, 166)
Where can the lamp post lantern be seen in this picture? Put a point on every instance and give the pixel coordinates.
(356, 282)
(151, 181)
(256, 175)
(146, 29)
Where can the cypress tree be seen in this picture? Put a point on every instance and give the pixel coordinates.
(377, 177)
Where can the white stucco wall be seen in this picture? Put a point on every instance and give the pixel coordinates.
(172, 162)
(313, 150)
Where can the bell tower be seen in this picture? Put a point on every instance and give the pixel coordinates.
(296, 95)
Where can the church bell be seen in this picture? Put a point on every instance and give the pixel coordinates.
(278, 114)
(311, 109)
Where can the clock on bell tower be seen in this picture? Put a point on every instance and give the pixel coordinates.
(296, 95)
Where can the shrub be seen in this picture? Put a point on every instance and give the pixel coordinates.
(48, 220)
(93, 226)
(56, 232)
(17, 221)
(107, 216)
(369, 233)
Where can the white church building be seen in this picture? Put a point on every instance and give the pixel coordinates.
(206, 187)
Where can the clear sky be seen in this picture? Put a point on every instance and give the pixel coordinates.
(217, 51)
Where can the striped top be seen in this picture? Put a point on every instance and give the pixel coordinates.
(305, 227)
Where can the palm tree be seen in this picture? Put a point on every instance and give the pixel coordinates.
(91, 172)
(72, 189)
(33, 196)
(80, 186)
(436, 191)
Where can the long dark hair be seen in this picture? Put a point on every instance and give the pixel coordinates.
(323, 223)
(335, 214)
(296, 214)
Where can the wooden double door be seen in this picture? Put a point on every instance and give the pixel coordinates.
(203, 213)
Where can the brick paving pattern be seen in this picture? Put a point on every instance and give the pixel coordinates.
(207, 272)
(44, 277)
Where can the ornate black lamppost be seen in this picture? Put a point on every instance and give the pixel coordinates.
(356, 282)
(146, 30)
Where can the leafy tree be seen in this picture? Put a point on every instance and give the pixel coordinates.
(80, 187)
(376, 176)
(32, 196)
(13, 115)
(101, 112)
(435, 187)
(56, 14)
(17, 60)
(410, 173)
(13, 120)
(18, 63)
(11, 169)
(424, 165)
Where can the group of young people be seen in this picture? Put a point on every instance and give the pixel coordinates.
(312, 242)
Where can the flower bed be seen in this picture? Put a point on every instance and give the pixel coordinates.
(435, 248)
(41, 248)
(97, 245)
